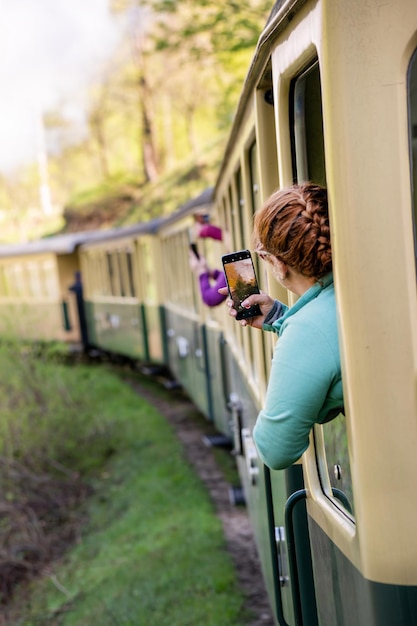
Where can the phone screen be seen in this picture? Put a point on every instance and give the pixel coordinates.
(241, 281)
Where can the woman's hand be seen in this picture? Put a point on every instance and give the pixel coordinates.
(265, 302)
(198, 266)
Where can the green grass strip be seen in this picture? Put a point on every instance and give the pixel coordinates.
(153, 552)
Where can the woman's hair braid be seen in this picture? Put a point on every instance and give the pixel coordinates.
(293, 225)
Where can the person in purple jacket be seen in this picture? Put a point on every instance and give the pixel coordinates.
(210, 280)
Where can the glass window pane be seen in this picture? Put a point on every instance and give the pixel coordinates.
(308, 128)
(129, 258)
(338, 465)
(309, 163)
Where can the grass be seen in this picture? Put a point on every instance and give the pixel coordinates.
(152, 553)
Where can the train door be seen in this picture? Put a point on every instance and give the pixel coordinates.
(329, 443)
(301, 569)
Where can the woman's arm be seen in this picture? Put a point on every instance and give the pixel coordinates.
(303, 370)
(210, 291)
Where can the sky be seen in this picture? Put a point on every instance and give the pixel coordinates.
(50, 50)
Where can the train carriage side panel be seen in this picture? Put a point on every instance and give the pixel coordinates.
(249, 172)
(150, 283)
(35, 303)
(113, 305)
(193, 330)
(185, 338)
(359, 469)
(121, 294)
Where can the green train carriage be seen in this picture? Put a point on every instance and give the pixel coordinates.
(122, 293)
(194, 331)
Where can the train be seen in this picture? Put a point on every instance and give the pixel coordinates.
(330, 96)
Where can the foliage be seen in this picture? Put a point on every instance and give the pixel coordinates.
(48, 417)
(228, 26)
(52, 434)
(165, 99)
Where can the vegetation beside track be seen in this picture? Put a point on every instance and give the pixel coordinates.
(97, 479)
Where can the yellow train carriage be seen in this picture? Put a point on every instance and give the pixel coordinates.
(35, 298)
(331, 96)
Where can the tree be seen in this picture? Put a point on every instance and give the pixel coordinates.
(148, 139)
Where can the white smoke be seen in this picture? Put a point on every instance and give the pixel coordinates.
(49, 52)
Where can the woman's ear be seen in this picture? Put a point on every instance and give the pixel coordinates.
(280, 267)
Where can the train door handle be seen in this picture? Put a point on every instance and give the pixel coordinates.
(251, 456)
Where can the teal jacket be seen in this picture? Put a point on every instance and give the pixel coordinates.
(305, 383)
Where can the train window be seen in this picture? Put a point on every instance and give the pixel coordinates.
(112, 267)
(263, 340)
(105, 273)
(225, 218)
(308, 141)
(180, 284)
(309, 164)
(412, 116)
(3, 284)
(120, 266)
(8, 281)
(34, 278)
(92, 274)
(148, 284)
(233, 214)
(241, 203)
(254, 175)
(16, 280)
(130, 276)
(49, 279)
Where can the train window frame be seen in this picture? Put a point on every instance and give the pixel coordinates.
(35, 283)
(3, 284)
(50, 278)
(412, 134)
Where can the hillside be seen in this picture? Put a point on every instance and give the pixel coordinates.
(126, 203)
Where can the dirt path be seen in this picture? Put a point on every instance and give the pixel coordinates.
(237, 528)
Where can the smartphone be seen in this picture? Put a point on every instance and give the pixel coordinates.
(241, 281)
(194, 249)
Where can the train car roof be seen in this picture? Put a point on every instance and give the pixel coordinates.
(67, 243)
(57, 244)
(124, 231)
